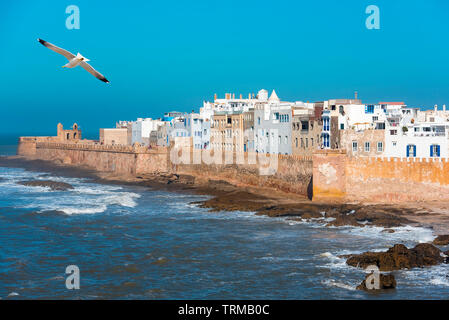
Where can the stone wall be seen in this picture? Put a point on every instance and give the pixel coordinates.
(369, 179)
(120, 159)
(335, 175)
(329, 174)
(397, 179)
(280, 172)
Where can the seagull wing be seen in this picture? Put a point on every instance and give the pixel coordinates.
(59, 50)
(92, 71)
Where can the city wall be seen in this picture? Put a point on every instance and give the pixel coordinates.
(336, 175)
(287, 173)
(375, 179)
(133, 160)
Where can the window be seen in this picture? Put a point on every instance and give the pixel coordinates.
(304, 125)
(325, 124)
(354, 146)
(366, 146)
(380, 146)
(416, 129)
(326, 140)
(307, 143)
(411, 150)
(393, 132)
(342, 126)
(333, 107)
(369, 108)
(276, 116)
(380, 126)
(375, 118)
(435, 150)
(296, 140)
(258, 120)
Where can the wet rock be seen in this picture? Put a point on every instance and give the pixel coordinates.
(441, 240)
(53, 185)
(344, 220)
(386, 281)
(399, 257)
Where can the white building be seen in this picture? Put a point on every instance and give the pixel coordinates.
(142, 128)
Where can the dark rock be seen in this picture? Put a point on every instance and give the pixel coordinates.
(441, 240)
(344, 220)
(53, 185)
(386, 281)
(388, 230)
(399, 257)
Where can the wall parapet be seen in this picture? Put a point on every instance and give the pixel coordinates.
(99, 147)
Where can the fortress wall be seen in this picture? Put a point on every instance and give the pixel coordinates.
(101, 160)
(286, 173)
(338, 176)
(397, 179)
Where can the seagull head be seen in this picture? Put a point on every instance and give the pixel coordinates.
(81, 58)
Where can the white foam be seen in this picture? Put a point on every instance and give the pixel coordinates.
(400, 234)
(71, 211)
(334, 283)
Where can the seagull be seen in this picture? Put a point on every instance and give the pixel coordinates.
(74, 61)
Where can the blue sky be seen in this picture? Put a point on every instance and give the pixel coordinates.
(172, 55)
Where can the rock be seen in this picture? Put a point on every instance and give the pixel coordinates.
(399, 257)
(388, 230)
(311, 215)
(386, 281)
(53, 185)
(441, 240)
(344, 220)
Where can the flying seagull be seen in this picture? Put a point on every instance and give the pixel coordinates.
(74, 61)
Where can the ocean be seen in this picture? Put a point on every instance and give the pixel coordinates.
(132, 242)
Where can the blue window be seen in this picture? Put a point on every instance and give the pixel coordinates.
(369, 108)
(325, 124)
(326, 140)
(435, 150)
(411, 150)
